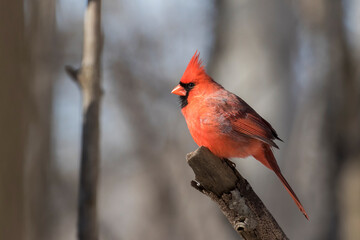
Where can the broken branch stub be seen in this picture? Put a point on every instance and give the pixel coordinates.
(218, 179)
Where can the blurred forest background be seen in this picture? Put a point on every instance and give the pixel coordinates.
(296, 62)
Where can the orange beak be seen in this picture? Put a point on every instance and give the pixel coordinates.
(179, 90)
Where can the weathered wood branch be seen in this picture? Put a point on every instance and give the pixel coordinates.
(218, 179)
(88, 78)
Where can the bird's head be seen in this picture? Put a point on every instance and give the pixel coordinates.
(192, 80)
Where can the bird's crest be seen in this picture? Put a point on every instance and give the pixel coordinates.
(195, 70)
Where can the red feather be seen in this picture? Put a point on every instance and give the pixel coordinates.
(195, 69)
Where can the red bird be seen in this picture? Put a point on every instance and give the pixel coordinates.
(224, 123)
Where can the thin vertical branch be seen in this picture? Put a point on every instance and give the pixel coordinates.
(88, 78)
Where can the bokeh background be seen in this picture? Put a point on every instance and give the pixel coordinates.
(296, 62)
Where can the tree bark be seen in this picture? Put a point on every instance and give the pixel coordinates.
(218, 179)
(88, 78)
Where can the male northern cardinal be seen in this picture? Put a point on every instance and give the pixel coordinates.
(224, 123)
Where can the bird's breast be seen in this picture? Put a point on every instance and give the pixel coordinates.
(211, 129)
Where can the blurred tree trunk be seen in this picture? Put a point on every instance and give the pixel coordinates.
(27, 85)
(41, 41)
(14, 105)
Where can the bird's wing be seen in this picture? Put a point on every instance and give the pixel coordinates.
(245, 121)
(255, 126)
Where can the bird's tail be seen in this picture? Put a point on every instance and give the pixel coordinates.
(268, 159)
(292, 193)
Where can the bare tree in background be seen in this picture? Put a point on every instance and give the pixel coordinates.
(27, 68)
(14, 105)
(88, 78)
(41, 40)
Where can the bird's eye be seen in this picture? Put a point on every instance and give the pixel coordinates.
(191, 85)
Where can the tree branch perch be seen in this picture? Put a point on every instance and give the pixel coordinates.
(218, 179)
